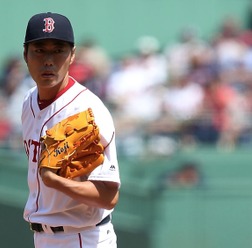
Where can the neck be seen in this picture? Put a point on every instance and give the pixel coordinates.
(51, 92)
(43, 103)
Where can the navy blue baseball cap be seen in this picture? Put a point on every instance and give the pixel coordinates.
(49, 26)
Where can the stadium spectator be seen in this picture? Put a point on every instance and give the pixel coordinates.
(193, 91)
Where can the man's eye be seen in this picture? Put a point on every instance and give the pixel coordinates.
(58, 51)
(38, 50)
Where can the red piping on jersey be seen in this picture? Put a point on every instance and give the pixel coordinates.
(32, 107)
(110, 140)
(80, 240)
(41, 135)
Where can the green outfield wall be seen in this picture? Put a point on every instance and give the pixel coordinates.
(154, 212)
(117, 24)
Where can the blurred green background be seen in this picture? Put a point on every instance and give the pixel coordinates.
(117, 24)
(193, 198)
(154, 211)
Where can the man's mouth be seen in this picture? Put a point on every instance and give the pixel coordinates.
(48, 74)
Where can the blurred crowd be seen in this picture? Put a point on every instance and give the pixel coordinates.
(183, 95)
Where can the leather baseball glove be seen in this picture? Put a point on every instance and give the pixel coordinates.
(72, 146)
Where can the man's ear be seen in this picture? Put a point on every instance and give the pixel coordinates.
(25, 54)
(73, 55)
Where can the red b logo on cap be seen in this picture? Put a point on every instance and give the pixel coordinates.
(49, 25)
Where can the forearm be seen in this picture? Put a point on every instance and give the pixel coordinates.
(93, 193)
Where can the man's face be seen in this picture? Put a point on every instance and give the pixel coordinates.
(48, 62)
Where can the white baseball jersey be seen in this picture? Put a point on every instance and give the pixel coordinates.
(49, 206)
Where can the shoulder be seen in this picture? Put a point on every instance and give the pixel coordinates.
(30, 93)
(27, 102)
(86, 94)
(91, 99)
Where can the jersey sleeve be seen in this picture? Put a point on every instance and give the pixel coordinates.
(109, 170)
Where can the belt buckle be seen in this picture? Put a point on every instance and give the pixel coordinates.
(47, 229)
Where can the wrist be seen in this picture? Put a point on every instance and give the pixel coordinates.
(48, 176)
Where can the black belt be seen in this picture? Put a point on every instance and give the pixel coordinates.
(37, 227)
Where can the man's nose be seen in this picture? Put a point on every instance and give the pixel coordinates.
(48, 60)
